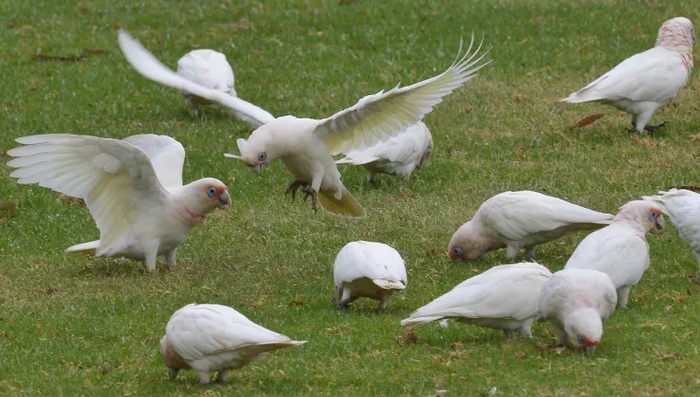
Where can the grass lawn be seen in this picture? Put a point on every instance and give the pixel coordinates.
(77, 325)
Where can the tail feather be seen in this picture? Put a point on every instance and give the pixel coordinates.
(91, 246)
(346, 206)
(388, 284)
(419, 320)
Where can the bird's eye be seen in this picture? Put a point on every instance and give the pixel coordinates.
(211, 192)
(459, 251)
(653, 215)
(262, 156)
(581, 339)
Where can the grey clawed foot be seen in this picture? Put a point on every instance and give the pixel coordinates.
(340, 304)
(309, 191)
(294, 187)
(653, 128)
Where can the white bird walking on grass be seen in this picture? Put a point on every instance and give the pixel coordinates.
(683, 207)
(209, 337)
(202, 77)
(620, 249)
(399, 155)
(576, 302)
(368, 269)
(646, 81)
(524, 219)
(132, 187)
(505, 297)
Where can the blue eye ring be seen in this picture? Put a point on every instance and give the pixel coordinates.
(459, 250)
(581, 339)
(211, 191)
(262, 156)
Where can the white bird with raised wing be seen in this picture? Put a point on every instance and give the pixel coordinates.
(209, 338)
(621, 249)
(399, 155)
(683, 207)
(576, 302)
(368, 269)
(132, 187)
(644, 82)
(504, 297)
(523, 219)
(200, 79)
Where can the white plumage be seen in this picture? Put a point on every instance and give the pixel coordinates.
(524, 219)
(504, 297)
(204, 78)
(208, 338)
(621, 249)
(683, 207)
(649, 80)
(367, 269)
(576, 302)
(398, 155)
(132, 187)
(306, 146)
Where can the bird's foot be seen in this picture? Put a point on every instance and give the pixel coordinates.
(694, 278)
(653, 128)
(340, 304)
(294, 187)
(309, 191)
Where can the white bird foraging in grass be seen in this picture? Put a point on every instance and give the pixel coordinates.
(202, 77)
(399, 155)
(367, 269)
(576, 302)
(208, 338)
(524, 219)
(307, 146)
(504, 297)
(132, 187)
(621, 249)
(683, 207)
(649, 80)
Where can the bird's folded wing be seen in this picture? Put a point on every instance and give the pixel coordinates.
(148, 66)
(375, 117)
(167, 157)
(116, 179)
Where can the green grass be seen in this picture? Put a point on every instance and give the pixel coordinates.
(76, 325)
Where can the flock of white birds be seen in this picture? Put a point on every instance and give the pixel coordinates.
(133, 189)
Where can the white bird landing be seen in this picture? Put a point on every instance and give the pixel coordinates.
(399, 155)
(132, 187)
(307, 146)
(211, 337)
(504, 297)
(202, 77)
(367, 269)
(523, 219)
(646, 81)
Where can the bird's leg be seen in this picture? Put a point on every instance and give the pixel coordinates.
(382, 303)
(530, 253)
(526, 330)
(512, 251)
(653, 128)
(204, 378)
(170, 258)
(342, 302)
(294, 187)
(622, 296)
(221, 376)
(509, 334)
(172, 373)
(150, 258)
(309, 191)
(563, 339)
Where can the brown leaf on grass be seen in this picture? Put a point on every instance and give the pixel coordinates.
(666, 164)
(406, 336)
(696, 138)
(76, 200)
(586, 121)
(8, 209)
(664, 356)
(517, 97)
(296, 303)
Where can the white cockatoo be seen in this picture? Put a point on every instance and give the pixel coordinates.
(649, 80)
(620, 249)
(201, 79)
(399, 155)
(576, 302)
(683, 207)
(504, 297)
(523, 219)
(368, 269)
(132, 187)
(208, 338)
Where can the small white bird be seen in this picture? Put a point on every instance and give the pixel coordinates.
(367, 269)
(683, 207)
(524, 219)
(649, 80)
(209, 338)
(132, 187)
(576, 302)
(398, 155)
(620, 249)
(201, 79)
(504, 297)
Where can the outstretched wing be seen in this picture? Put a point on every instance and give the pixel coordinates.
(148, 66)
(167, 157)
(115, 178)
(388, 113)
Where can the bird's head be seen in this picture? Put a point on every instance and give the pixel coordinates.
(172, 359)
(204, 195)
(645, 213)
(254, 151)
(677, 33)
(467, 243)
(585, 329)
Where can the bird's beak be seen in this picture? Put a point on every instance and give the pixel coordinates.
(233, 156)
(660, 225)
(257, 167)
(224, 200)
(590, 350)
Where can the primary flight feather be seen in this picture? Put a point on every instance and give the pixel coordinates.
(132, 187)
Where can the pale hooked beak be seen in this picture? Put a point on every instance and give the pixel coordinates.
(660, 225)
(590, 350)
(257, 167)
(224, 200)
